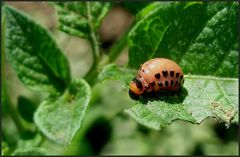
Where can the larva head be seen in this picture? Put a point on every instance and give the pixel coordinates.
(135, 88)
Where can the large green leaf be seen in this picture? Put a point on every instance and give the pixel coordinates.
(201, 37)
(201, 97)
(59, 118)
(78, 18)
(33, 53)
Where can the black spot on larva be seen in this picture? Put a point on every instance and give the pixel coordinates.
(171, 73)
(177, 75)
(181, 77)
(157, 76)
(166, 83)
(183, 81)
(160, 84)
(165, 73)
(152, 84)
(172, 82)
(176, 83)
(138, 83)
(143, 70)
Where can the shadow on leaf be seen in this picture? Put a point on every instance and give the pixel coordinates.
(166, 96)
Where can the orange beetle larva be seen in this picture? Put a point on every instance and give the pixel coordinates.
(158, 74)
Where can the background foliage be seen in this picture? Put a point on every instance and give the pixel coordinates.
(74, 109)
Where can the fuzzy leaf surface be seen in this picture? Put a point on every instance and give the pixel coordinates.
(33, 53)
(75, 18)
(59, 118)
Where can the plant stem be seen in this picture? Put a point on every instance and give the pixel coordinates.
(114, 52)
(16, 118)
(99, 61)
(94, 41)
(95, 50)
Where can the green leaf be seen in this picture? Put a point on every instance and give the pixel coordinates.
(76, 18)
(201, 97)
(34, 54)
(59, 118)
(202, 39)
(26, 108)
(192, 34)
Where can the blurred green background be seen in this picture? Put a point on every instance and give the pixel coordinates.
(106, 129)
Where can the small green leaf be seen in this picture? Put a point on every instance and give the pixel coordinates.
(114, 72)
(201, 37)
(59, 118)
(33, 53)
(75, 18)
(26, 108)
(200, 98)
